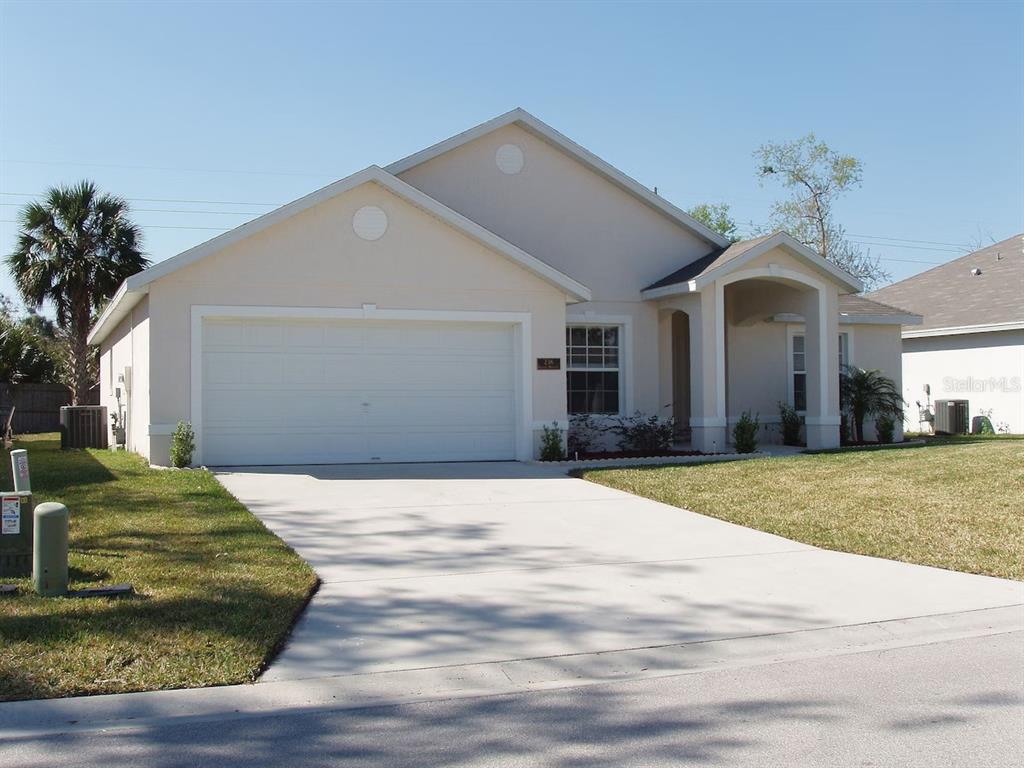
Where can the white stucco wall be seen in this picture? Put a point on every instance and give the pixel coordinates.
(878, 347)
(561, 212)
(314, 259)
(576, 220)
(128, 346)
(986, 369)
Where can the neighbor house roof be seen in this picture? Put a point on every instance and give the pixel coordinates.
(854, 309)
(542, 130)
(135, 287)
(857, 308)
(953, 299)
(696, 274)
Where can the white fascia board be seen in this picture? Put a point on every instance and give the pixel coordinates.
(689, 286)
(393, 184)
(544, 131)
(484, 236)
(782, 240)
(138, 283)
(250, 228)
(957, 330)
(116, 310)
(779, 239)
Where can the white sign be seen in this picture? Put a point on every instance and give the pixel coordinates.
(22, 462)
(10, 515)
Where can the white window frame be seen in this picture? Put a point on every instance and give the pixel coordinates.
(625, 326)
(845, 351)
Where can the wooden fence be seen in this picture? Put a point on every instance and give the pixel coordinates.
(36, 406)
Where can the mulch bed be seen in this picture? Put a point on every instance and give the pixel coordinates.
(638, 454)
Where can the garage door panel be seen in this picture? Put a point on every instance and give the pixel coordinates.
(446, 410)
(413, 445)
(222, 333)
(255, 447)
(282, 408)
(311, 391)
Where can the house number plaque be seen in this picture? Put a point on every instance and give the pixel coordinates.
(549, 363)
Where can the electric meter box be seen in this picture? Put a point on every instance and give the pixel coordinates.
(16, 534)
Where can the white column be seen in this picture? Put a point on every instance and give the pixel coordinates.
(821, 345)
(707, 370)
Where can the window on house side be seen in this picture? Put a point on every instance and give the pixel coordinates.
(593, 355)
(799, 357)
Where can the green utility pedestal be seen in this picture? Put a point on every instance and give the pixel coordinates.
(50, 555)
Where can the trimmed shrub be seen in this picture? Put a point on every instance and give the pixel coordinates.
(583, 433)
(183, 444)
(647, 434)
(885, 428)
(744, 434)
(551, 443)
(791, 424)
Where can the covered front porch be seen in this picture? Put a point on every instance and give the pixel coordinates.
(751, 327)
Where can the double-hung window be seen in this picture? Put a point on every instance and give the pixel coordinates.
(798, 366)
(799, 372)
(593, 357)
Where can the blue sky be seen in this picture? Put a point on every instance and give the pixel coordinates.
(237, 107)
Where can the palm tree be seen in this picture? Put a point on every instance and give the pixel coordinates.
(865, 393)
(74, 249)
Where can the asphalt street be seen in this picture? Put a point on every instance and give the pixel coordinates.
(954, 703)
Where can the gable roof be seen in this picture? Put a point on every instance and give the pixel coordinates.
(542, 130)
(136, 286)
(951, 298)
(696, 274)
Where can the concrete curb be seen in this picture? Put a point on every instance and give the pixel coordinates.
(138, 710)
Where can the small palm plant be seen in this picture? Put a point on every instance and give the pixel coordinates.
(866, 393)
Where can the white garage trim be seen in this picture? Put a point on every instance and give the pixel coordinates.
(522, 334)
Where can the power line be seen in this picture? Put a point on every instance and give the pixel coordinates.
(172, 170)
(161, 200)
(154, 226)
(178, 210)
(905, 240)
(746, 229)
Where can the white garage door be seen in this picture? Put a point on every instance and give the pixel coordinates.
(330, 391)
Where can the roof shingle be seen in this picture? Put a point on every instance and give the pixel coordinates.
(951, 295)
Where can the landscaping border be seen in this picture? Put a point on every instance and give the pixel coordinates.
(649, 461)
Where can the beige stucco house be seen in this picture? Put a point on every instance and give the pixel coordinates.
(450, 305)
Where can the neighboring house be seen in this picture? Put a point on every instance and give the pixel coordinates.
(971, 344)
(451, 305)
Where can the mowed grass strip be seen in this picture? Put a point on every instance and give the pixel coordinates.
(955, 504)
(216, 591)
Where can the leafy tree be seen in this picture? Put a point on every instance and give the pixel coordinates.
(865, 393)
(716, 216)
(25, 355)
(817, 176)
(74, 249)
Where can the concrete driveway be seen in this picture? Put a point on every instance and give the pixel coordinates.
(440, 565)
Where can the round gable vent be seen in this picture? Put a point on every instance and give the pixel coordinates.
(509, 158)
(370, 222)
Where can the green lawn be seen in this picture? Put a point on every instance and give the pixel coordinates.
(956, 504)
(217, 592)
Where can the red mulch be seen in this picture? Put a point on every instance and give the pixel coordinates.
(636, 454)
